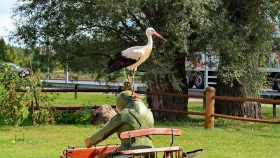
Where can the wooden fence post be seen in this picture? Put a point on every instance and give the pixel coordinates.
(209, 109)
(76, 89)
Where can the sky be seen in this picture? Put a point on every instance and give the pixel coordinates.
(6, 24)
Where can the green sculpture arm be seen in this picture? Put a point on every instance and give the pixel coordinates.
(109, 128)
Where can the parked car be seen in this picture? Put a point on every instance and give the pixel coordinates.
(22, 72)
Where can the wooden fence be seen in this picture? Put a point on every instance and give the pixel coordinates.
(209, 113)
(209, 100)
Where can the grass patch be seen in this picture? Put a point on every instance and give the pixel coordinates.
(267, 110)
(228, 139)
(83, 99)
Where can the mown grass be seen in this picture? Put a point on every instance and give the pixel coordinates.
(229, 139)
(83, 99)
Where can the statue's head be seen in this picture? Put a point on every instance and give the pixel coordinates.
(122, 100)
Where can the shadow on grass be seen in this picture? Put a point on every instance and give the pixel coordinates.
(26, 122)
(226, 124)
(268, 135)
(186, 122)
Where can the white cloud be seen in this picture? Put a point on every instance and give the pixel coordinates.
(6, 24)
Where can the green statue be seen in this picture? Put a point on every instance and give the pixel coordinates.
(132, 114)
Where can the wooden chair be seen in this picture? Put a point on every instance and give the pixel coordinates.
(171, 151)
(111, 150)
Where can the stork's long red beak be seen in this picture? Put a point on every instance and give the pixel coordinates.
(159, 36)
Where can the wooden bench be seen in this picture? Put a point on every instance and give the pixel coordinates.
(175, 151)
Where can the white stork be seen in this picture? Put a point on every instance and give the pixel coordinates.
(132, 57)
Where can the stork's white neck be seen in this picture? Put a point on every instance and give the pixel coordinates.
(150, 40)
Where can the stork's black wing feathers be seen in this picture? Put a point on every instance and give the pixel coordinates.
(118, 62)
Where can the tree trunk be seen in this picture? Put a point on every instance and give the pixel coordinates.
(241, 109)
(169, 102)
(240, 15)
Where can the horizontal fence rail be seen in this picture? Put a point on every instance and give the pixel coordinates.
(171, 94)
(75, 108)
(241, 99)
(114, 91)
(74, 90)
(246, 119)
(180, 112)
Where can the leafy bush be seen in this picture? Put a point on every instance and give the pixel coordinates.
(42, 116)
(15, 107)
(64, 117)
(82, 116)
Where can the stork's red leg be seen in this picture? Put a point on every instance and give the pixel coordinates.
(133, 95)
(127, 77)
(132, 83)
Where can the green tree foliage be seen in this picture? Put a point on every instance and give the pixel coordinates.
(241, 35)
(3, 49)
(7, 53)
(90, 31)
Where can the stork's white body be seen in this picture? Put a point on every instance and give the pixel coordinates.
(139, 53)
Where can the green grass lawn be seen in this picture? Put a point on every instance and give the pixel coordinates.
(228, 138)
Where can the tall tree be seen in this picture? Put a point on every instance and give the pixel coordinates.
(242, 35)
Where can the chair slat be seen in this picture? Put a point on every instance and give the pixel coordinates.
(149, 150)
(150, 131)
